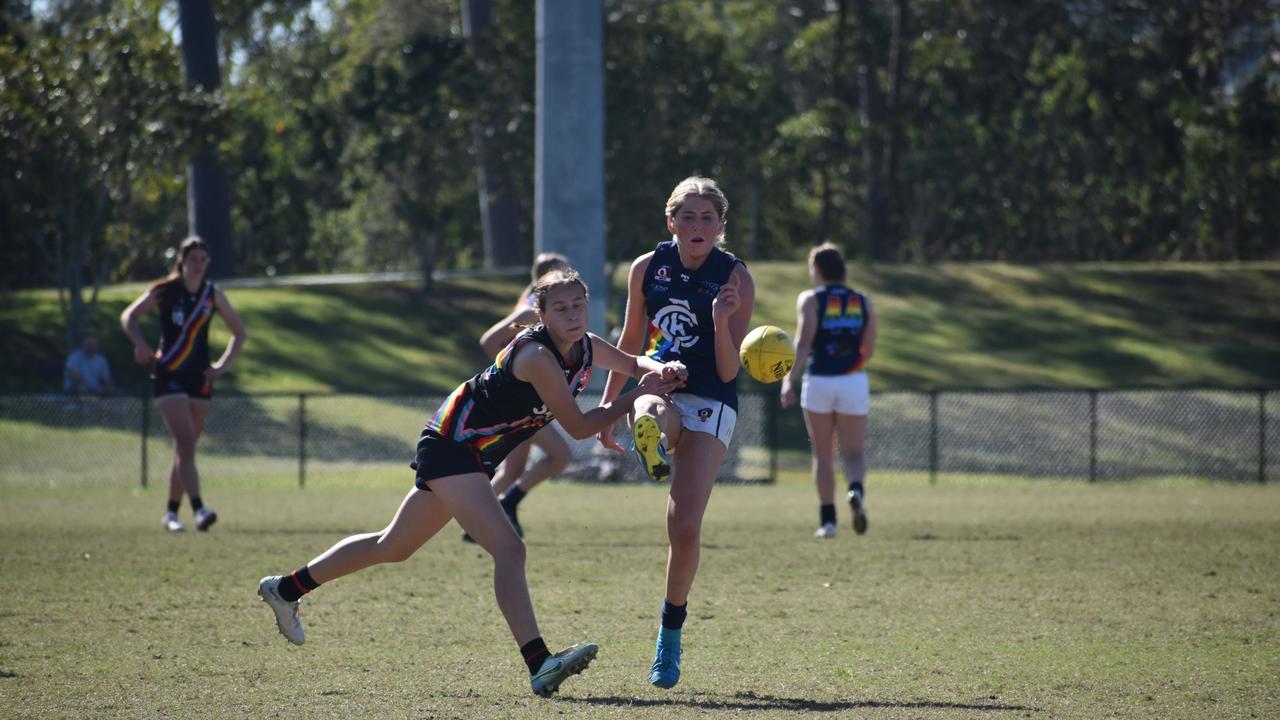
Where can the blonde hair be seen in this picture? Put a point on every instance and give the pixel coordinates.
(695, 186)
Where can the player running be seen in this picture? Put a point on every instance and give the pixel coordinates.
(533, 381)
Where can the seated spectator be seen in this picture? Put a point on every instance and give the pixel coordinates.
(87, 372)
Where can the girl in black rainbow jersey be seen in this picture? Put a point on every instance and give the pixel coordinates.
(181, 374)
(691, 301)
(532, 381)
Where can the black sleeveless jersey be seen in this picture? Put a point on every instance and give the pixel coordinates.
(494, 411)
(678, 304)
(184, 328)
(837, 344)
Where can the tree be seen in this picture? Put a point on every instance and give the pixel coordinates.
(208, 196)
(92, 122)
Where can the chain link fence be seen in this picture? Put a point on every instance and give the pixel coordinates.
(1231, 435)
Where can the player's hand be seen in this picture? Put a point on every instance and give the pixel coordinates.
(213, 372)
(606, 439)
(675, 370)
(143, 355)
(655, 384)
(727, 300)
(788, 394)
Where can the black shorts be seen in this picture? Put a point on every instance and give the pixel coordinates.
(438, 457)
(193, 386)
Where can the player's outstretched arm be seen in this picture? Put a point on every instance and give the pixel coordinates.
(537, 365)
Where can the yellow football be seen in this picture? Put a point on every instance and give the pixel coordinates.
(767, 353)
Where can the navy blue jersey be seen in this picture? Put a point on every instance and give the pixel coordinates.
(184, 328)
(677, 302)
(837, 344)
(494, 411)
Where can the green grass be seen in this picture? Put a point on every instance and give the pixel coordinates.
(983, 599)
(953, 325)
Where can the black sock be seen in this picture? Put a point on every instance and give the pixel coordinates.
(826, 514)
(535, 653)
(512, 497)
(857, 487)
(673, 615)
(292, 587)
(174, 505)
(196, 504)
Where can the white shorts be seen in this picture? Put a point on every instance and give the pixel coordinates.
(844, 394)
(705, 415)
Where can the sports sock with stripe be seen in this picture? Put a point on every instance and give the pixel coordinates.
(294, 586)
(535, 653)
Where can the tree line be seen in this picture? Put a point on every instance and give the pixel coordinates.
(352, 131)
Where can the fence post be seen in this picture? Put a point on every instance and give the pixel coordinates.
(771, 425)
(302, 440)
(933, 437)
(1262, 436)
(146, 420)
(1093, 435)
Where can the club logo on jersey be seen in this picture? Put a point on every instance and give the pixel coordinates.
(662, 274)
(178, 316)
(675, 321)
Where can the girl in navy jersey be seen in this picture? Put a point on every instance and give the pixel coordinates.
(691, 301)
(515, 478)
(533, 380)
(836, 335)
(181, 374)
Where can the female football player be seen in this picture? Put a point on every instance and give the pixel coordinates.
(691, 301)
(515, 479)
(531, 382)
(181, 374)
(836, 335)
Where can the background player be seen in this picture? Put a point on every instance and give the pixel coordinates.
(181, 374)
(515, 478)
(836, 335)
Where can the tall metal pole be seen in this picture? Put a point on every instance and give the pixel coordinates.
(569, 194)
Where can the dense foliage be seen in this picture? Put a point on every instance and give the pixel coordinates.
(907, 130)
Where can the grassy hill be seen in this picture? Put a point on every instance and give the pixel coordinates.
(951, 325)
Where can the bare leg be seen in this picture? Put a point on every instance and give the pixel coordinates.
(511, 468)
(479, 514)
(557, 457)
(822, 446)
(697, 462)
(178, 416)
(421, 515)
(852, 430)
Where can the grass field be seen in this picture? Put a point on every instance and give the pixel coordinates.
(1004, 599)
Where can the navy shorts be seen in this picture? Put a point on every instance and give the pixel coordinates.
(193, 386)
(438, 457)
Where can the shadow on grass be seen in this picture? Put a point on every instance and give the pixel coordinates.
(755, 701)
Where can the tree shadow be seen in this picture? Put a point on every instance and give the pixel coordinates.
(749, 701)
